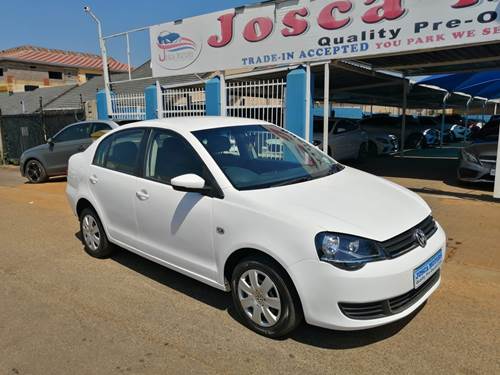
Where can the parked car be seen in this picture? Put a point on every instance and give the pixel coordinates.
(477, 162)
(346, 140)
(489, 131)
(414, 134)
(431, 130)
(51, 159)
(290, 236)
(454, 128)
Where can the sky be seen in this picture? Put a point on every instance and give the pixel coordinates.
(62, 24)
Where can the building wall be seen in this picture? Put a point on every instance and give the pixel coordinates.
(18, 76)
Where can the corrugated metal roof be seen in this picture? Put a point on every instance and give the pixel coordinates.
(39, 55)
(13, 104)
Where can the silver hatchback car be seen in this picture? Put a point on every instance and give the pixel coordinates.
(39, 163)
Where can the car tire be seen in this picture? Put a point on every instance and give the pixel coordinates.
(264, 297)
(372, 149)
(35, 172)
(362, 153)
(94, 238)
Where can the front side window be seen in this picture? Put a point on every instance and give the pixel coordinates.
(169, 156)
(123, 154)
(73, 133)
(262, 156)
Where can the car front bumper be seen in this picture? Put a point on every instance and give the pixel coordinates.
(322, 287)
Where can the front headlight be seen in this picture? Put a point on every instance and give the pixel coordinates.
(346, 251)
(470, 157)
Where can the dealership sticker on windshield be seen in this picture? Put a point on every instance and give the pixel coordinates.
(427, 269)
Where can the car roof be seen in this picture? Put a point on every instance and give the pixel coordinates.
(190, 124)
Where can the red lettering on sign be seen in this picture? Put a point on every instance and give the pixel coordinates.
(464, 3)
(327, 20)
(389, 10)
(258, 29)
(296, 25)
(226, 22)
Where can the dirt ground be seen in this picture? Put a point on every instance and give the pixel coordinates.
(62, 312)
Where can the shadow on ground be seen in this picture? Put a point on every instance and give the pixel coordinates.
(305, 333)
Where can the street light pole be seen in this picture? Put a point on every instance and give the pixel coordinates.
(104, 55)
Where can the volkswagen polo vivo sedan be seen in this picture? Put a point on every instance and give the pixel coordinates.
(247, 207)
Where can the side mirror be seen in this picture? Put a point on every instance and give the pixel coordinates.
(50, 141)
(190, 183)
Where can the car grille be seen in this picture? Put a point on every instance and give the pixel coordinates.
(388, 307)
(406, 241)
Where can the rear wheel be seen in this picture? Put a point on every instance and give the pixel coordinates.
(264, 299)
(35, 172)
(93, 236)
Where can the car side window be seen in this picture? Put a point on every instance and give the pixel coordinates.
(74, 132)
(170, 155)
(344, 126)
(102, 151)
(123, 154)
(99, 126)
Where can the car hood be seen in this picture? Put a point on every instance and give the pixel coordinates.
(483, 149)
(43, 146)
(350, 201)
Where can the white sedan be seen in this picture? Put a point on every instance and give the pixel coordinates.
(288, 230)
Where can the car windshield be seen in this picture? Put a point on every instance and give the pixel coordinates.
(263, 156)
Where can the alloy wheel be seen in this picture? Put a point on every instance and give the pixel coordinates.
(91, 233)
(34, 172)
(259, 298)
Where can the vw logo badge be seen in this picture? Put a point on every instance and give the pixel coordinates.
(420, 237)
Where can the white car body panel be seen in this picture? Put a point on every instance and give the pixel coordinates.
(180, 230)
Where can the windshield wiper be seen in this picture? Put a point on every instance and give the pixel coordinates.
(293, 181)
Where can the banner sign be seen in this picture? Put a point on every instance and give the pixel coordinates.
(297, 31)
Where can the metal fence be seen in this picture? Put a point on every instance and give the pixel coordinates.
(181, 102)
(23, 131)
(129, 106)
(260, 99)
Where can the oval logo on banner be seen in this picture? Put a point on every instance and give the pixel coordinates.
(176, 51)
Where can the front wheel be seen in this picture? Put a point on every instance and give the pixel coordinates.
(264, 299)
(35, 172)
(363, 153)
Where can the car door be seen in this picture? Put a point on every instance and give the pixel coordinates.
(72, 139)
(175, 226)
(354, 138)
(339, 141)
(113, 183)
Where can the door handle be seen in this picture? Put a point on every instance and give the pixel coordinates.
(93, 180)
(142, 195)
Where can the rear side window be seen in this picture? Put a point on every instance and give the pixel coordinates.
(122, 152)
(102, 152)
(99, 126)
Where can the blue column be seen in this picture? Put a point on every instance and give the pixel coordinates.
(296, 103)
(102, 107)
(212, 97)
(151, 98)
